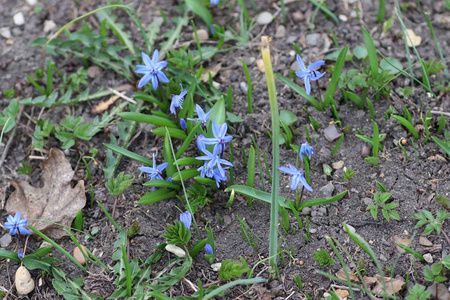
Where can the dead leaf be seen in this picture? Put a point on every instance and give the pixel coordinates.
(341, 275)
(369, 281)
(393, 286)
(341, 293)
(412, 40)
(104, 105)
(397, 239)
(205, 76)
(55, 202)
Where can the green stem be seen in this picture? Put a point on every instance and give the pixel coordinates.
(273, 240)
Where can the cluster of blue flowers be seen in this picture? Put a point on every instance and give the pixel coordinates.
(298, 176)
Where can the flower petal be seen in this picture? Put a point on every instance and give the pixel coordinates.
(162, 77)
(147, 61)
(155, 57)
(300, 63)
(154, 81)
(307, 86)
(161, 65)
(316, 75)
(144, 80)
(286, 170)
(24, 231)
(316, 65)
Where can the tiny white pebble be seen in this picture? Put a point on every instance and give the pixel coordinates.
(176, 250)
(216, 267)
(19, 20)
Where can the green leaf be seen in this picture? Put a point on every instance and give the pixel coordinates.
(372, 52)
(444, 145)
(360, 52)
(200, 10)
(332, 86)
(9, 255)
(149, 119)
(392, 65)
(218, 112)
(116, 27)
(374, 161)
(185, 174)
(301, 91)
(231, 269)
(162, 183)
(129, 154)
(173, 132)
(79, 221)
(156, 196)
(288, 117)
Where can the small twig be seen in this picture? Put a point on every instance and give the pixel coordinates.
(446, 237)
(190, 284)
(122, 96)
(436, 112)
(11, 138)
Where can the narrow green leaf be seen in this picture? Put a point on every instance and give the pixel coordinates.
(218, 112)
(200, 10)
(332, 86)
(408, 125)
(185, 174)
(444, 145)
(173, 132)
(129, 154)
(156, 196)
(372, 52)
(149, 119)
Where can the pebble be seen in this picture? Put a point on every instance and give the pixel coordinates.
(297, 17)
(216, 85)
(260, 64)
(244, 87)
(413, 40)
(216, 267)
(5, 32)
(16, 31)
(382, 257)
(175, 250)
(94, 71)
(264, 18)
(79, 256)
(312, 230)
(367, 201)
(18, 18)
(49, 25)
(425, 242)
(280, 32)
(24, 282)
(338, 165)
(226, 219)
(306, 210)
(331, 133)
(159, 21)
(365, 152)
(428, 258)
(442, 292)
(31, 2)
(249, 60)
(295, 67)
(343, 18)
(5, 240)
(313, 39)
(323, 210)
(327, 190)
(202, 35)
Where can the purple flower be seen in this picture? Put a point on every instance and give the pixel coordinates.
(309, 73)
(202, 117)
(219, 139)
(15, 223)
(152, 70)
(183, 124)
(177, 101)
(209, 249)
(186, 218)
(212, 160)
(214, 2)
(156, 171)
(306, 150)
(20, 254)
(297, 176)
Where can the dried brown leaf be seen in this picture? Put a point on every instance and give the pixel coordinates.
(405, 242)
(393, 286)
(55, 202)
(205, 76)
(341, 275)
(104, 105)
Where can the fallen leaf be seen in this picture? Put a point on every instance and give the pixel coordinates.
(55, 202)
(104, 105)
(341, 293)
(205, 76)
(393, 286)
(405, 242)
(412, 40)
(341, 275)
(369, 281)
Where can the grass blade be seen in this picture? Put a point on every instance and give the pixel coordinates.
(251, 172)
(371, 52)
(408, 125)
(301, 91)
(332, 86)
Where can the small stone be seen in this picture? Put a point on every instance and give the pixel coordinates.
(16, 31)
(281, 32)
(297, 17)
(216, 267)
(323, 210)
(18, 18)
(24, 282)
(202, 35)
(382, 257)
(331, 133)
(244, 87)
(312, 230)
(249, 60)
(365, 152)
(425, 242)
(260, 64)
(31, 2)
(159, 21)
(306, 210)
(175, 250)
(5, 240)
(226, 219)
(5, 32)
(45, 244)
(367, 201)
(442, 292)
(313, 39)
(216, 85)
(79, 256)
(264, 18)
(94, 71)
(49, 25)
(343, 18)
(350, 228)
(338, 165)
(294, 66)
(428, 258)
(327, 190)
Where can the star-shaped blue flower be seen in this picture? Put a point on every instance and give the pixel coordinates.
(156, 171)
(186, 218)
(15, 223)
(306, 150)
(219, 139)
(177, 101)
(309, 73)
(152, 70)
(297, 176)
(212, 160)
(202, 117)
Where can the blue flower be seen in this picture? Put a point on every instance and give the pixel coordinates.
(306, 150)
(219, 177)
(186, 218)
(309, 73)
(212, 160)
(297, 176)
(201, 142)
(214, 2)
(209, 249)
(202, 117)
(183, 124)
(212, 28)
(152, 70)
(156, 171)
(219, 139)
(20, 255)
(15, 223)
(177, 101)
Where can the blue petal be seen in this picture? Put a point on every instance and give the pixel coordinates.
(307, 86)
(161, 65)
(13, 231)
(142, 71)
(287, 170)
(162, 77)
(302, 74)
(316, 65)
(154, 81)
(146, 60)
(294, 182)
(162, 166)
(144, 80)
(316, 75)
(223, 130)
(24, 231)
(215, 130)
(146, 169)
(155, 57)
(305, 183)
(300, 63)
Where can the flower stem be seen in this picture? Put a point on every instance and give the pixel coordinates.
(273, 240)
(320, 93)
